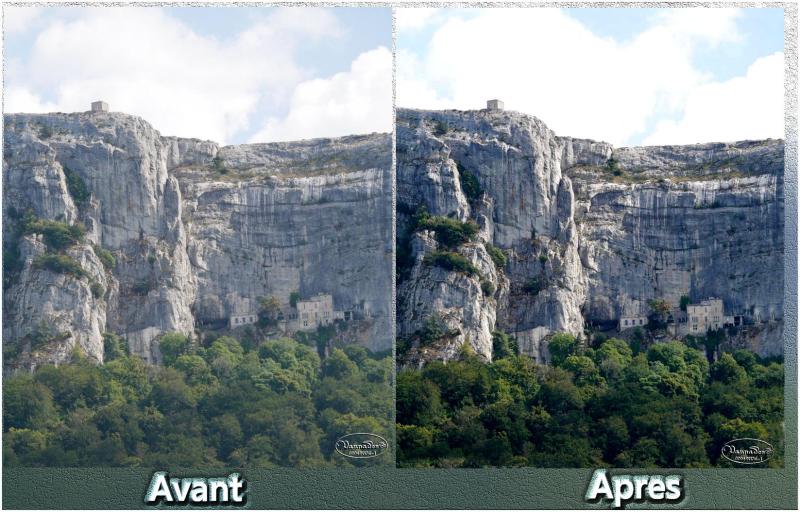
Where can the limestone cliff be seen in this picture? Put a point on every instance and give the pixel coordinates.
(178, 232)
(589, 231)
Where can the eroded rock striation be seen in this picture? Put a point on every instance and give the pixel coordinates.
(589, 232)
(178, 233)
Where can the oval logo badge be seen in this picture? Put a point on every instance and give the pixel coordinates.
(361, 445)
(747, 451)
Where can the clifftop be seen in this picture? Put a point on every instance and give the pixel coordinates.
(516, 129)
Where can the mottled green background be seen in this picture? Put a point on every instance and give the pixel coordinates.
(398, 488)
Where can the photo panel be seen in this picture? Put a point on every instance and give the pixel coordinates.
(590, 238)
(197, 238)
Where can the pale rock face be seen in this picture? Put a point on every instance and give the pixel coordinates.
(583, 243)
(185, 236)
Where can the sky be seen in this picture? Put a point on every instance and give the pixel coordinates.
(625, 76)
(229, 74)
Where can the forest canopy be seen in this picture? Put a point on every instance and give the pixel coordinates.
(601, 406)
(273, 403)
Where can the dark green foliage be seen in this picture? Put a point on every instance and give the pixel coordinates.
(685, 300)
(451, 261)
(542, 259)
(503, 345)
(57, 235)
(114, 347)
(605, 407)
(449, 232)
(76, 187)
(143, 287)
(268, 310)
(561, 346)
(293, 298)
(498, 256)
(45, 132)
(534, 285)
(219, 165)
(440, 128)
(613, 166)
(44, 333)
(213, 406)
(97, 289)
(173, 345)
(487, 287)
(106, 257)
(60, 264)
(432, 330)
(469, 183)
(12, 261)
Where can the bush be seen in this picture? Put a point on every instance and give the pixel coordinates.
(57, 235)
(106, 257)
(449, 232)
(440, 128)
(60, 264)
(43, 333)
(543, 259)
(534, 285)
(469, 183)
(143, 287)
(503, 345)
(432, 330)
(113, 347)
(293, 298)
(76, 187)
(219, 165)
(487, 287)
(498, 256)
(451, 261)
(97, 289)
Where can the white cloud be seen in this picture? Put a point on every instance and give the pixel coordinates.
(546, 63)
(19, 19)
(746, 107)
(355, 101)
(414, 18)
(144, 62)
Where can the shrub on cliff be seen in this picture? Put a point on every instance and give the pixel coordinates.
(76, 187)
(469, 183)
(451, 261)
(57, 235)
(106, 257)
(449, 232)
(498, 256)
(60, 264)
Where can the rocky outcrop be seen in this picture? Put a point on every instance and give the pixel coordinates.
(589, 231)
(191, 229)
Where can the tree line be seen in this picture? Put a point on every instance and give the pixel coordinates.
(605, 405)
(221, 404)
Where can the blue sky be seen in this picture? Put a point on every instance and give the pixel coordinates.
(629, 76)
(230, 74)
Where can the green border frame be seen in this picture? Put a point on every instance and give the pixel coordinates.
(388, 488)
(507, 488)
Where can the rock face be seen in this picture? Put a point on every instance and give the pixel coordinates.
(193, 229)
(590, 232)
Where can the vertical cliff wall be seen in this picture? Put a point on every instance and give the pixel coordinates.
(178, 230)
(588, 231)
